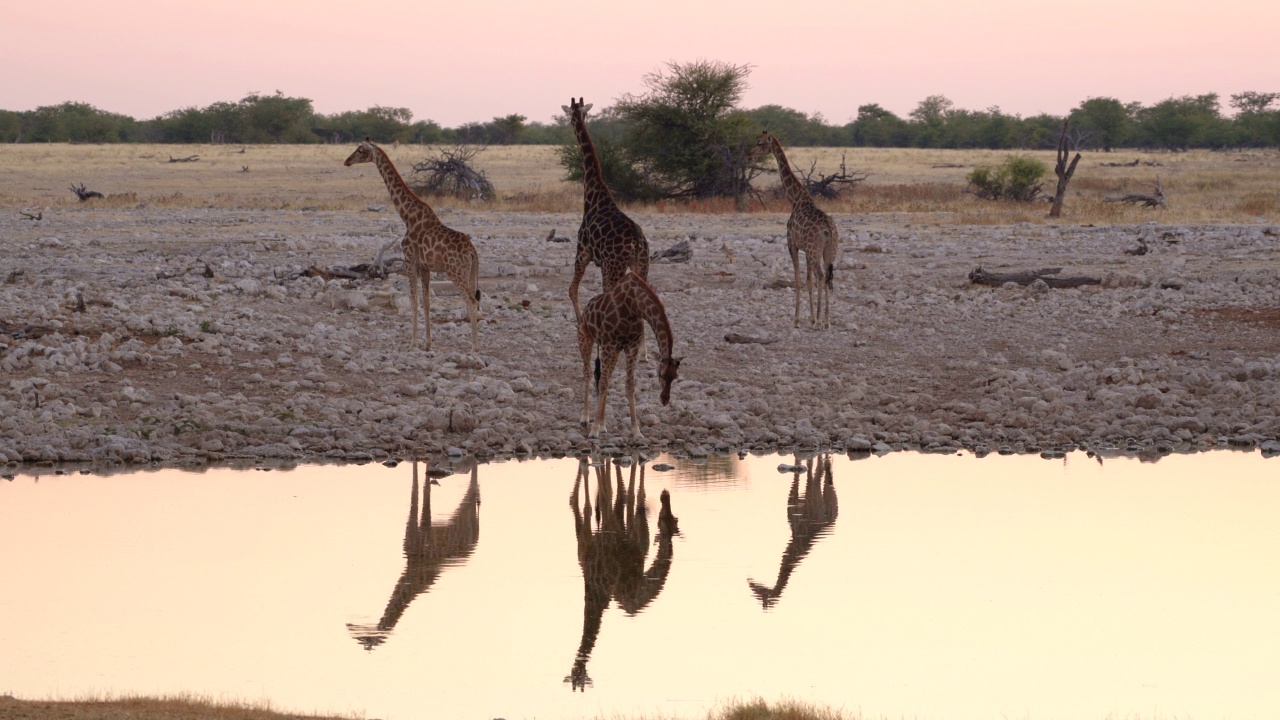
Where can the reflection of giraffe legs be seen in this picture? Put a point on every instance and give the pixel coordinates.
(810, 515)
(612, 556)
(428, 548)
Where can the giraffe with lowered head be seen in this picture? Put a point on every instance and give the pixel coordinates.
(613, 322)
(607, 237)
(809, 230)
(429, 245)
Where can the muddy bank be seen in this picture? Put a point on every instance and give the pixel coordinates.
(162, 335)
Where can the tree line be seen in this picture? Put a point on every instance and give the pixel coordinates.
(1102, 123)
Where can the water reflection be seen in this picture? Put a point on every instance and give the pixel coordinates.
(811, 515)
(428, 549)
(612, 554)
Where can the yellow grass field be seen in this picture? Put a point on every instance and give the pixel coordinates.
(927, 185)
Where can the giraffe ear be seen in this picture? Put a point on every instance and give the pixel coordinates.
(586, 107)
(567, 110)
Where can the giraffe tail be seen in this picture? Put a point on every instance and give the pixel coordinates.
(831, 275)
(597, 372)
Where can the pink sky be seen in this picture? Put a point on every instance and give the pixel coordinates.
(466, 60)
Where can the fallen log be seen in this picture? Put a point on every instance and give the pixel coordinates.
(737, 339)
(189, 158)
(1026, 277)
(29, 216)
(84, 194)
(552, 237)
(1155, 199)
(678, 253)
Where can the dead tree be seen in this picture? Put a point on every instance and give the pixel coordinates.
(449, 174)
(831, 186)
(1155, 199)
(1064, 172)
(1048, 275)
(84, 194)
(189, 158)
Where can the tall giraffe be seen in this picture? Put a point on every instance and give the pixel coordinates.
(810, 230)
(429, 245)
(428, 549)
(612, 556)
(614, 321)
(811, 516)
(607, 237)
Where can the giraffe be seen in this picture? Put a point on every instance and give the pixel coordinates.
(810, 230)
(428, 548)
(612, 557)
(810, 516)
(614, 322)
(607, 236)
(429, 245)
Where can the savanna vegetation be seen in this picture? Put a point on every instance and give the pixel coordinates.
(1106, 123)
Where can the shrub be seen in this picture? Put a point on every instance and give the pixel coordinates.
(1017, 178)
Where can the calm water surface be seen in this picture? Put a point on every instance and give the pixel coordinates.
(905, 586)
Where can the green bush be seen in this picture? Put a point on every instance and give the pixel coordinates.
(1017, 178)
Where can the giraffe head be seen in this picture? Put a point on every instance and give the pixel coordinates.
(763, 146)
(576, 110)
(363, 153)
(668, 371)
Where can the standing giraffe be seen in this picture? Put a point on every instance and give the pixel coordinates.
(809, 230)
(612, 556)
(607, 237)
(429, 245)
(614, 322)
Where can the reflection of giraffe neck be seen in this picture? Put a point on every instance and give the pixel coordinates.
(796, 192)
(412, 209)
(652, 311)
(596, 195)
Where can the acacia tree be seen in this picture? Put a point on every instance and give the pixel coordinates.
(685, 137)
(1105, 118)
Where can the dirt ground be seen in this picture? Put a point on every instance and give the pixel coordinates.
(154, 330)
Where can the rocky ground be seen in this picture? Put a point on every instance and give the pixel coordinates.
(191, 335)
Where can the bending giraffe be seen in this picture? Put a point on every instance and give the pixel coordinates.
(429, 245)
(613, 322)
(810, 515)
(809, 230)
(612, 556)
(607, 237)
(429, 548)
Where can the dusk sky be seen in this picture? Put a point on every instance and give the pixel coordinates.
(472, 60)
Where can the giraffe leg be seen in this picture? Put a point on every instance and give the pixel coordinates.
(795, 264)
(631, 393)
(413, 301)
(466, 279)
(608, 360)
(579, 268)
(585, 345)
(425, 279)
(814, 277)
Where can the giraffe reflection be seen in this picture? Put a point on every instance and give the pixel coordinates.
(428, 549)
(810, 515)
(612, 556)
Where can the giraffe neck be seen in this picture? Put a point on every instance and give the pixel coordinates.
(408, 204)
(653, 312)
(595, 192)
(796, 192)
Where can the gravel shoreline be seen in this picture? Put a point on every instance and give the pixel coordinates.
(117, 347)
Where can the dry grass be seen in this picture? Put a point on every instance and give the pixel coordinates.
(927, 185)
(184, 707)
